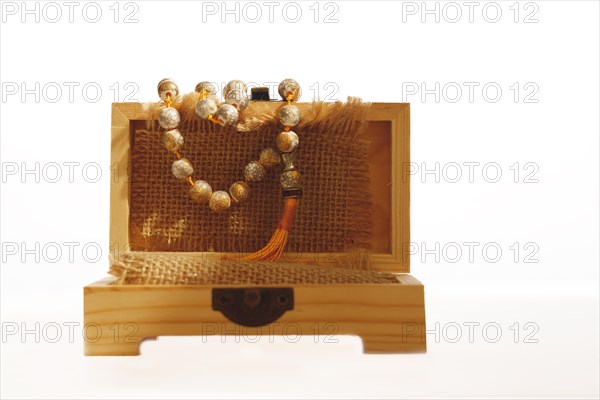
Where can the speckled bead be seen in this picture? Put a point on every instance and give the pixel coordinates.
(206, 107)
(289, 87)
(254, 172)
(169, 118)
(234, 84)
(289, 115)
(287, 141)
(239, 191)
(238, 99)
(227, 114)
(167, 86)
(173, 140)
(209, 87)
(219, 201)
(269, 157)
(290, 180)
(182, 168)
(289, 160)
(201, 191)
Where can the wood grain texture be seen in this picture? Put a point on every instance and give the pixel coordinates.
(119, 184)
(387, 317)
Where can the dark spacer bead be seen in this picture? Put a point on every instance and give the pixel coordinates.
(297, 192)
(260, 94)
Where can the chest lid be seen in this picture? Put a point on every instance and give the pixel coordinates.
(350, 156)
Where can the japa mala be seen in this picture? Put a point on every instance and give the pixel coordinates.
(228, 113)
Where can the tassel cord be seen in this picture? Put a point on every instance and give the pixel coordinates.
(274, 248)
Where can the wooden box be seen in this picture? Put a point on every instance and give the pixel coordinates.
(387, 317)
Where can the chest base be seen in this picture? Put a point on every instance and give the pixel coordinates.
(389, 318)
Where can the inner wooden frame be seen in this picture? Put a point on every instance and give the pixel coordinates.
(389, 154)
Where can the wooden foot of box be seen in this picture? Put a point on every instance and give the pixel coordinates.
(389, 318)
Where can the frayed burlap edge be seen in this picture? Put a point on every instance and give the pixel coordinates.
(191, 269)
(315, 115)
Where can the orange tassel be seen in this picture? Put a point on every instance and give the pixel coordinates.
(273, 250)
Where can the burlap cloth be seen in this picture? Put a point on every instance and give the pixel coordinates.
(334, 215)
(185, 268)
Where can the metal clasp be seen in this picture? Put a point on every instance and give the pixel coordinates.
(252, 306)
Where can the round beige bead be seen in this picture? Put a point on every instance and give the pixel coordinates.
(201, 191)
(182, 168)
(208, 87)
(167, 86)
(234, 84)
(169, 118)
(289, 87)
(290, 179)
(219, 201)
(238, 99)
(289, 115)
(254, 172)
(206, 107)
(227, 114)
(287, 141)
(269, 157)
(173, 140)
(239, 191)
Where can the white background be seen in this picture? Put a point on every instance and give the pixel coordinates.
(380, 51)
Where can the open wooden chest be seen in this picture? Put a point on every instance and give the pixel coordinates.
(387, 314)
